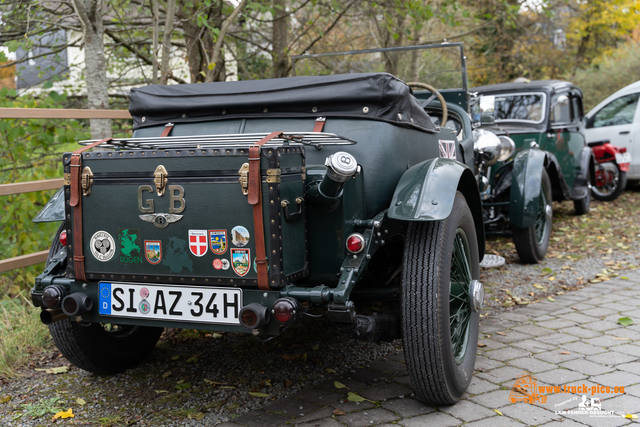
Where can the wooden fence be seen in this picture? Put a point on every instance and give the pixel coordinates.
(47, 184)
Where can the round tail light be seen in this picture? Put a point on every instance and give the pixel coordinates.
(63, 237)
(52, 296)
(355, 243)
(285, 310)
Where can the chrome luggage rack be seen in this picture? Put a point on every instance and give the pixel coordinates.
(313, 139)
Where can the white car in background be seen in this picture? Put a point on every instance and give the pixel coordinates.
(617, 120)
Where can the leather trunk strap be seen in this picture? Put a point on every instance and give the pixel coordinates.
(167, 130)
(255, 199)
(319, 124)
(75, 200)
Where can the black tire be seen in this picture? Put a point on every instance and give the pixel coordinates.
(436, 376)
(611, 191)
(583, 205)
(103, 349)
(532, 242)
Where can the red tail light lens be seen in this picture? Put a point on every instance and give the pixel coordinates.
(285, 310)
(355, 243)
(63, 238)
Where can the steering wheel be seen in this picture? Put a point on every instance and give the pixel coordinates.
(433, 90)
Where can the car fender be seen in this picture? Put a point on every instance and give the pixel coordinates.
(53, 210)
(525, 187)
(587, 168)
(426, 192)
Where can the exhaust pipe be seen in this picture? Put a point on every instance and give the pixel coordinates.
(77, 303)
(376, 328)
(52, 316)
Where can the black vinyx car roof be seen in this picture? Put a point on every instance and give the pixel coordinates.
(374, 96)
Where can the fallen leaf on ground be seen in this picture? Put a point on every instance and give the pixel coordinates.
(227, 386)
(338, 412)
(574, 308)
(175, 357)
(624, 277)
(352, 397)
(288, 357)
(183, 386)
(497, 411)
(63, 414)
(55, 371)
(216, 335)
(166, 374)
(5, 399)
(621, 338)
(196, 416)
(338, 384)
(551, 299)
(194, 358)
(331, 371)
(162, 391)
(535, 285)
(480, 344)
(564, 352)
(81, 401)
(625, 321)
(258, 394)
(501, 333)
(631, 416)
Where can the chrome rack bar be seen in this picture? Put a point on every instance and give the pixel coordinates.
(315, 139)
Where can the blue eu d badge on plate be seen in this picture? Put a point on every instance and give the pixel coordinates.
(104, 302)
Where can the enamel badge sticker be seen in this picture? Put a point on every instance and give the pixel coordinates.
(240, 236)
(218, 241)
(198, 242)
(103, 247)
(240, 261)
(153, 251)
(447, 149)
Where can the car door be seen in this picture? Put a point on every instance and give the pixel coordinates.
(617, 122)
(564, 139)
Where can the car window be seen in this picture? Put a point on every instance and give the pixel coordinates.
(560, 112)
(618, 112)
(522, 107)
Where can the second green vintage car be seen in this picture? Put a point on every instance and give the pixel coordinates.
(551, 160)
(241, 206)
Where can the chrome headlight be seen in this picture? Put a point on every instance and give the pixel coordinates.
(495, 148)
(507, 148)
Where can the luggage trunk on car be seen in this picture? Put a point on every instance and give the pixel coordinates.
(193, 225)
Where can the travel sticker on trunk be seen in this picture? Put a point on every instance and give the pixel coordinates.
(240, 261)
(198, 242)
(218, 241)
(130, 243)
(153, 251)
(239, 236)
(102, 246)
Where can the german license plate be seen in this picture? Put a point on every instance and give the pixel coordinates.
(623, 158)
(168, 302)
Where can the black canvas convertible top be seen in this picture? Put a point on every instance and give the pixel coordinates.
(374, 96)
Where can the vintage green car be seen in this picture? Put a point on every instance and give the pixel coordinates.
(240, 206)
(551, 161)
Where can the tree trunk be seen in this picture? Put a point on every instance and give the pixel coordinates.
(155, 9)
(165, 68)
(279, 53)
(90, 13)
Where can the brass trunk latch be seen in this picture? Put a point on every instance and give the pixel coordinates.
(87, 181)
(244, 178)
(160, 179)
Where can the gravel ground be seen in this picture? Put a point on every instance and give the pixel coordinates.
(197, 378)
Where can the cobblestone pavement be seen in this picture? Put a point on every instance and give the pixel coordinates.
(574, 341)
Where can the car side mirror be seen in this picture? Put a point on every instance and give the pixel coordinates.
(562, 100)
(483, 110)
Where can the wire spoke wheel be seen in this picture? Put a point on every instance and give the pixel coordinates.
(459, 298)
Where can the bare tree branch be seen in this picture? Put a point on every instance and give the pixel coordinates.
(223, 32)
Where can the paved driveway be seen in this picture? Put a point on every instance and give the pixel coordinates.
(573, 343)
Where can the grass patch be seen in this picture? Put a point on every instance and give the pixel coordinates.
(21, 333)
